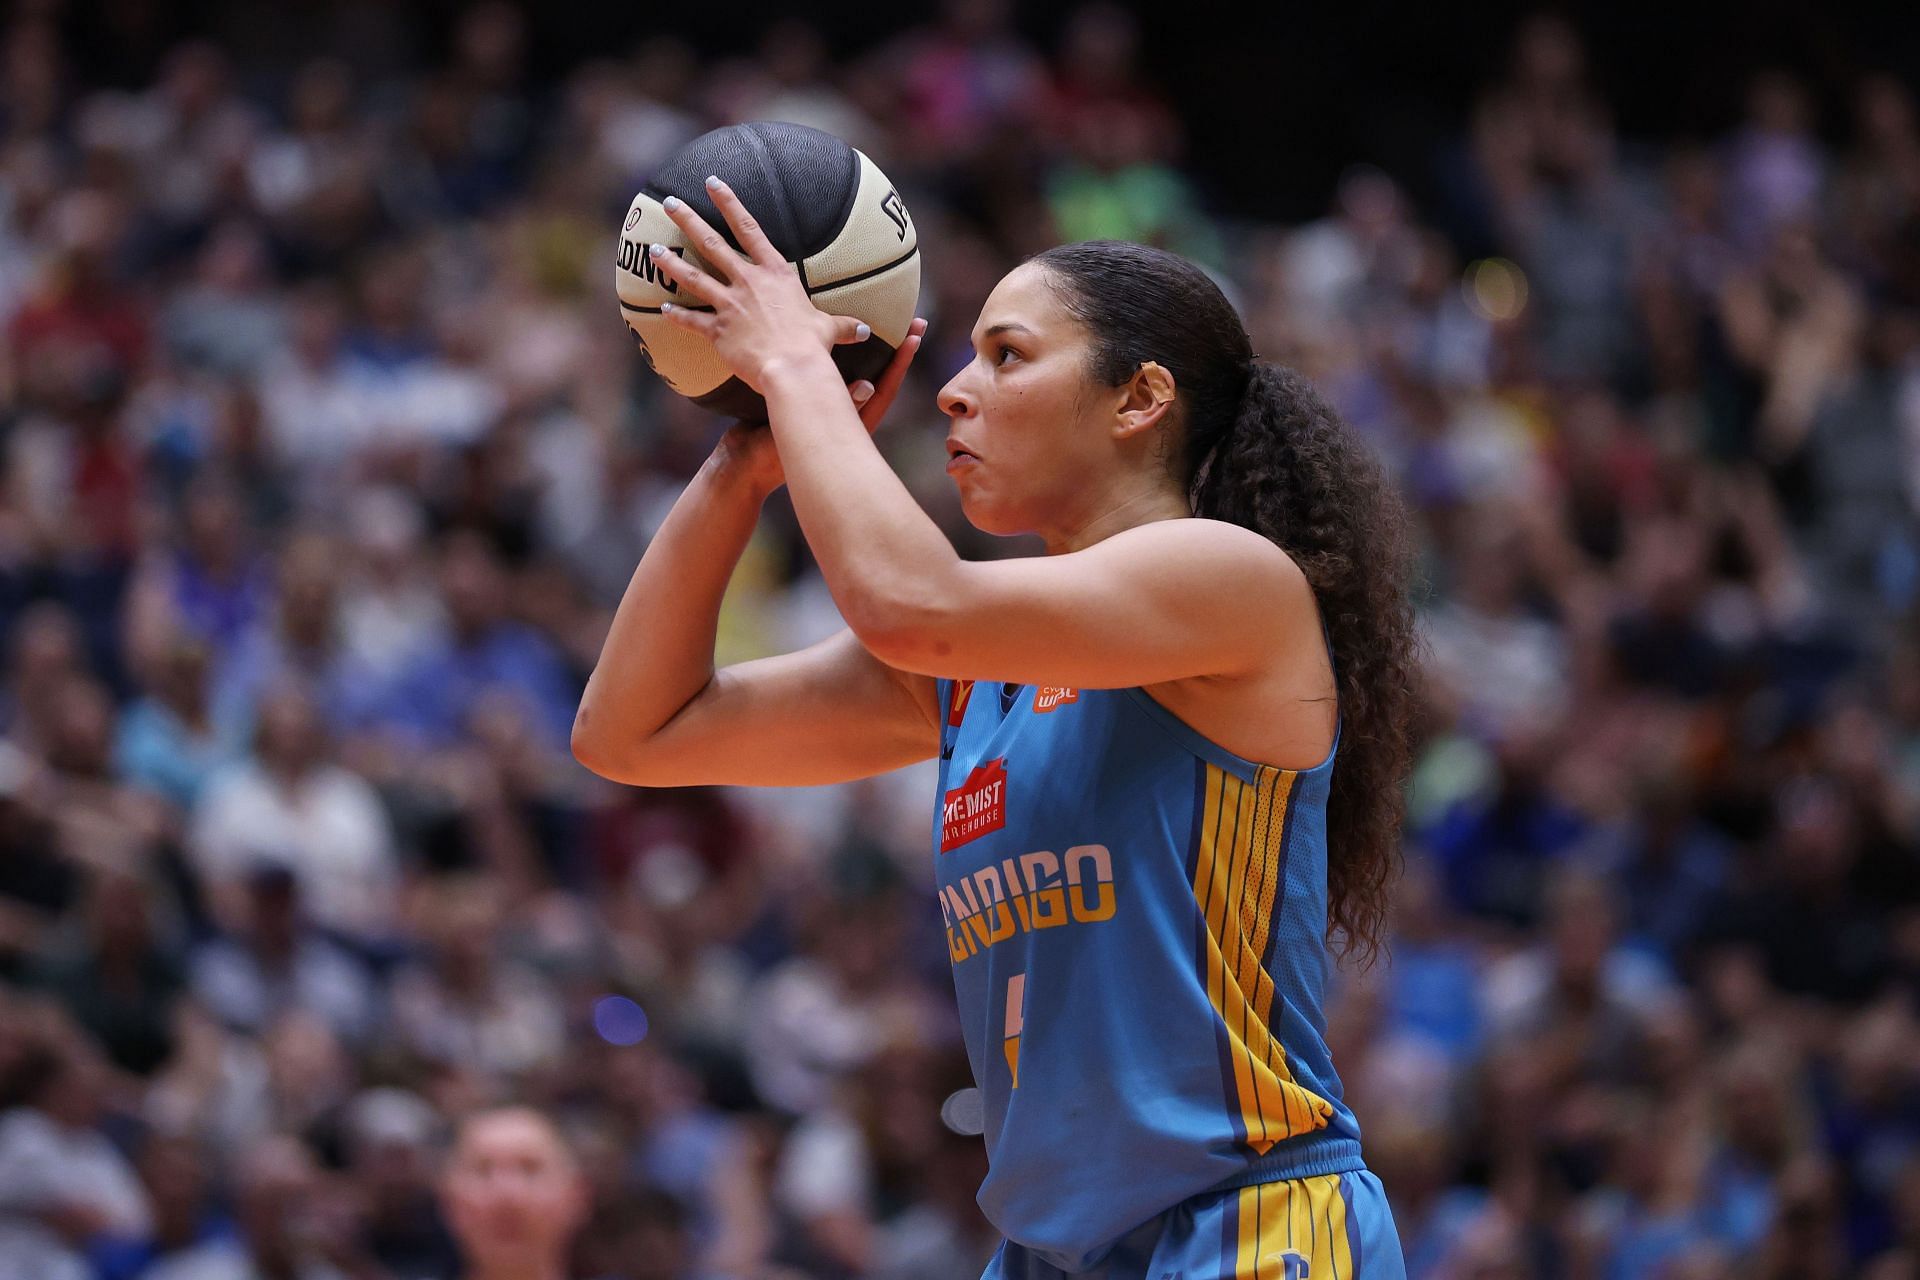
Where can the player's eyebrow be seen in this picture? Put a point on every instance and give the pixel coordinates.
(1007, 326)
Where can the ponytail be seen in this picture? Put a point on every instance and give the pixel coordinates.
(1262, 450)
(1288, 467)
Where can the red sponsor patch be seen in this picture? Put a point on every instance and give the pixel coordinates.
(962, 690)
(976, 807)
(1047, 697)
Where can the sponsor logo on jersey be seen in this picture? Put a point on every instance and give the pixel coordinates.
(975, 807)
(1049, 696)
(1038, 890)
(962, 690)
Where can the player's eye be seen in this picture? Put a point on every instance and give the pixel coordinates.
(1005, 351)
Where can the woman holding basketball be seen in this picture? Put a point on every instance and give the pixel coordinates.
(1144, 843)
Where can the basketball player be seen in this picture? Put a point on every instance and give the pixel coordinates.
(1145, 842)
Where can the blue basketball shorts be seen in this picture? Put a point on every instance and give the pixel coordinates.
(1336, 1227)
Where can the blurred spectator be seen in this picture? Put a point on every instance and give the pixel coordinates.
(819, 1016)
(212, 588)
(174, 1172)
(467, 1006)
(1777, 164)
(290, 801)
(392, 1142)
(515, 1198)
(964, 78)
(482, 650)
(62, 1182)
(1118, 181)
(120, 976)
(172, 740)
(289, 1222)
(269, 965)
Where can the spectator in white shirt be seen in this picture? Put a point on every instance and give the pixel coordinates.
(62, 1183)
(292, 798)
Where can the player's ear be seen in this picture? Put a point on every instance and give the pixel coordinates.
(1146, 398)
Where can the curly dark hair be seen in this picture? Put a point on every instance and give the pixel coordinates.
(1261, 449)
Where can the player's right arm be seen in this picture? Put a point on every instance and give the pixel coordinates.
(828, 713)
(655, 712)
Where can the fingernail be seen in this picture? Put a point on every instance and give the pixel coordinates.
(862, 331)
(655, 250)
(862, 391)
(713, 181)
(670, 203)
(665, 307)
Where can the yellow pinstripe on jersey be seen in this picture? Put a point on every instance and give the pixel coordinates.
(1293, 1230)
(1236, 874)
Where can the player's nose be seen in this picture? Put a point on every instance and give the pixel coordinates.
(955, 400)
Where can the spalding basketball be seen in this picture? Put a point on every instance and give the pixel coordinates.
(829, 211)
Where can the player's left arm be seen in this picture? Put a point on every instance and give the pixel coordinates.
(1161, 601)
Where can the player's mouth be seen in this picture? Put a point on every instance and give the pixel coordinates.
(959, 457)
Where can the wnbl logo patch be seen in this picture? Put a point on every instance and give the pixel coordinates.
(1047, 697)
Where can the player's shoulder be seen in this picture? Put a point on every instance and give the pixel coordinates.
(1211, 551)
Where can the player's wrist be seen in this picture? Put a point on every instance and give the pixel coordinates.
(736, 479)
(791, 370)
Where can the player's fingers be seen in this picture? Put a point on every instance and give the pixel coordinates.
(712, 245)
(868, 403)
(846, 329)
(896, 370)
(690, 278)
(876, 406)
(704, 323)
(745, 228)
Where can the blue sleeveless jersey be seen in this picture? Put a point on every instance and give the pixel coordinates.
(1136, 919)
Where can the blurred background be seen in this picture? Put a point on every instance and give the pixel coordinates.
(324, 458)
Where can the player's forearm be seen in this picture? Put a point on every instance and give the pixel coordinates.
(876, 548)
(659, 652)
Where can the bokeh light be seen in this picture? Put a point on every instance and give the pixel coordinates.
(1496, 289)
(619, 1020)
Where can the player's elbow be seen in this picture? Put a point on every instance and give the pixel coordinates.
(896, 627)
(596, 748)
(588, 747)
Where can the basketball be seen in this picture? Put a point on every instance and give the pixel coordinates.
(828, 209)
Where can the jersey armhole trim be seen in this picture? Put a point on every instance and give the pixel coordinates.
(1207, 749)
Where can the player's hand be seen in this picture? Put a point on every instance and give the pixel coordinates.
(762, 316)
(748, 452)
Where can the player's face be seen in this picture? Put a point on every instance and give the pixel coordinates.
(1023, 409)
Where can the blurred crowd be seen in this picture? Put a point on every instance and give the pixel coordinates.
(324, 458)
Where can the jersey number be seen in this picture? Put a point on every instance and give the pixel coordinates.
(1016, 1019)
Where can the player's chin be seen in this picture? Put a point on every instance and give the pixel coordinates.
(989, 518)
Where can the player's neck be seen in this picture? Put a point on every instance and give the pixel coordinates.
(1115, 517)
